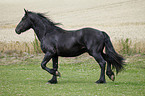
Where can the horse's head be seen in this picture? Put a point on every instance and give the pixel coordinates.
(25, 24)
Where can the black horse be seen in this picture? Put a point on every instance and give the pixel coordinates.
(56, 41)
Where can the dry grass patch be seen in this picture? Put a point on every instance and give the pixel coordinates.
(123, 46)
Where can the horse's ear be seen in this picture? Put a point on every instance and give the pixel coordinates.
(25, 11)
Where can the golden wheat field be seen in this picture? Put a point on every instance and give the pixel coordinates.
(121, 19)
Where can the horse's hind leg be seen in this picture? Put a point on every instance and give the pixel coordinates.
(98, 57)
(109, 72)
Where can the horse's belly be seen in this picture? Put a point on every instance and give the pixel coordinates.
(71, 53)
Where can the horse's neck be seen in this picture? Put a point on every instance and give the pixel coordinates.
(40, 29)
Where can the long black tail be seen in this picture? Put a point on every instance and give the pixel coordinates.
(112, 56)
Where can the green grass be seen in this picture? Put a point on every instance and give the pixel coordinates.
(26, 78)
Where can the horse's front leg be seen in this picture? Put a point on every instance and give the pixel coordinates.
(56, 73)
(46, 59)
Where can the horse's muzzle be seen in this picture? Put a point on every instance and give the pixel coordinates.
(17, 31)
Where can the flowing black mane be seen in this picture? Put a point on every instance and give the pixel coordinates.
(46, 21)
(43, 17)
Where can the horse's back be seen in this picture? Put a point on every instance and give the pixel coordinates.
(86, 37)
(92, 32)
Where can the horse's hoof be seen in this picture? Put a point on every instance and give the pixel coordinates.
(58, 73)
(100, 82)
(110, 75)
(52, 82)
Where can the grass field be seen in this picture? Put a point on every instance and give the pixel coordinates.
(24, 77)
